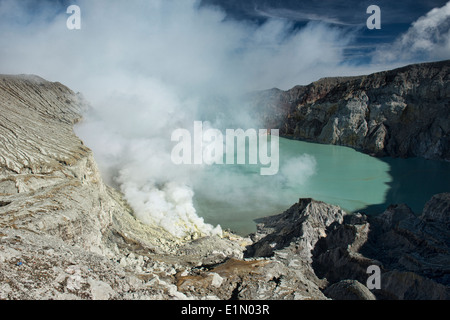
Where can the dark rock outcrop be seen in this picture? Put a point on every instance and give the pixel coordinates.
(336, 249)
(400, 113)
(302, 225)
(349, 290)
(413, 252)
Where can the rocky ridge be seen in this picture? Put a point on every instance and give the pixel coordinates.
(64, 234)
(399, 113)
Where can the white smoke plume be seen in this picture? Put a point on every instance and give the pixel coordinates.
(150, 67)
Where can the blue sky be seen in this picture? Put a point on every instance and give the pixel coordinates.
(345, 12)
(200, 38)
(397, 17)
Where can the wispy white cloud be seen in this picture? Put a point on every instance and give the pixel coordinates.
(428, 38)
(300, 16)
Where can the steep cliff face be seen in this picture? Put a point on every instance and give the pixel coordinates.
(48, 178)
(400, 113)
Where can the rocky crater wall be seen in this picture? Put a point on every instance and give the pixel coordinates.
(64, 234)
(399, 113)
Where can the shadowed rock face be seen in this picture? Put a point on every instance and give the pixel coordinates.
(400, 113)
(349, 290)
(412, 252)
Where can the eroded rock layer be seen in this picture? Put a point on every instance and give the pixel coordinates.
(400, 113)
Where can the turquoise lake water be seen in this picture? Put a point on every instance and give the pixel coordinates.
(235, 195)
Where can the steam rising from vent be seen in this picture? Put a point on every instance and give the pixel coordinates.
(169, 206)
(151, 67)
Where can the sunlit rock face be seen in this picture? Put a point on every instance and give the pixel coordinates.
(399, 113)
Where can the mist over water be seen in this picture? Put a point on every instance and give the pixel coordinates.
(234, 196)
